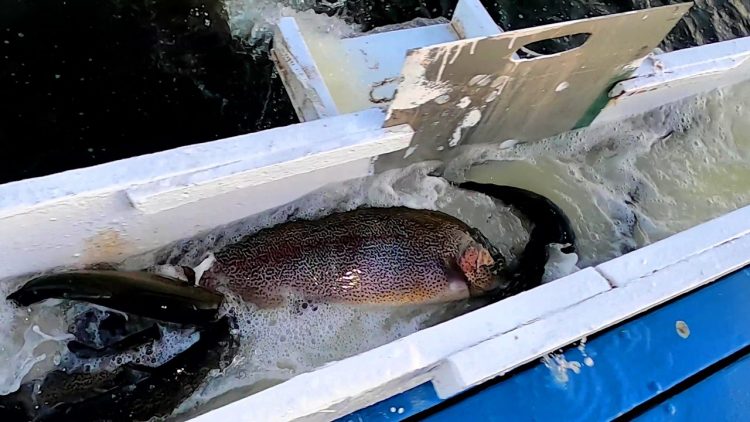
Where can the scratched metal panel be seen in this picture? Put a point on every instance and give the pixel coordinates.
(475, 91)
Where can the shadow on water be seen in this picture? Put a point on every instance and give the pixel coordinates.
(101, 80)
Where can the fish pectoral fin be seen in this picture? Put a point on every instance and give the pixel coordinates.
(457, 285)
(138, 292)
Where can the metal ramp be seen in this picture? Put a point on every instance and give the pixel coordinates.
(467, 81)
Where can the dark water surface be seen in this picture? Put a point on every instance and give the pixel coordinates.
(708, 21)
(89, 81)
(84, 82)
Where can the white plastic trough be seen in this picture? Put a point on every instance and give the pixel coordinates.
(119, 209)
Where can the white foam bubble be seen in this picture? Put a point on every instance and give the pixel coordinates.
(31, 341)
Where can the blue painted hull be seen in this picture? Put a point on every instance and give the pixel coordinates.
(686, 360)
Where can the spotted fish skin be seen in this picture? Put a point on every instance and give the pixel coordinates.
(382, 256)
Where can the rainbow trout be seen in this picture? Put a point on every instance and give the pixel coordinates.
(385, 256)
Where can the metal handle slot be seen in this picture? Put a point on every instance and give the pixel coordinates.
(551, 47)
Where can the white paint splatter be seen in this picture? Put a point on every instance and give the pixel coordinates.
(455, 137)
(410, 151)
(470, 120)
(499, 84)
(456, 52)
(481, 80)
(500, 81)
(473, 47)
(416, 89)
(492, 96)
(562, 86)
(442, 99)
(444, 55)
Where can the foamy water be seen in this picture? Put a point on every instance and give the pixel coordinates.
(623, 186)
(253, 20)
(629, 184)
(280, 343)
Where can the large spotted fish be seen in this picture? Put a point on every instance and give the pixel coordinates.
(387, 256)
(368, 256)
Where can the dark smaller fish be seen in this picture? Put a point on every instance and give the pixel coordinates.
(140, 293)
(131, 393)
(550, 226)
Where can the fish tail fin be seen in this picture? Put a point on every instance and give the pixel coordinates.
(550, 226)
